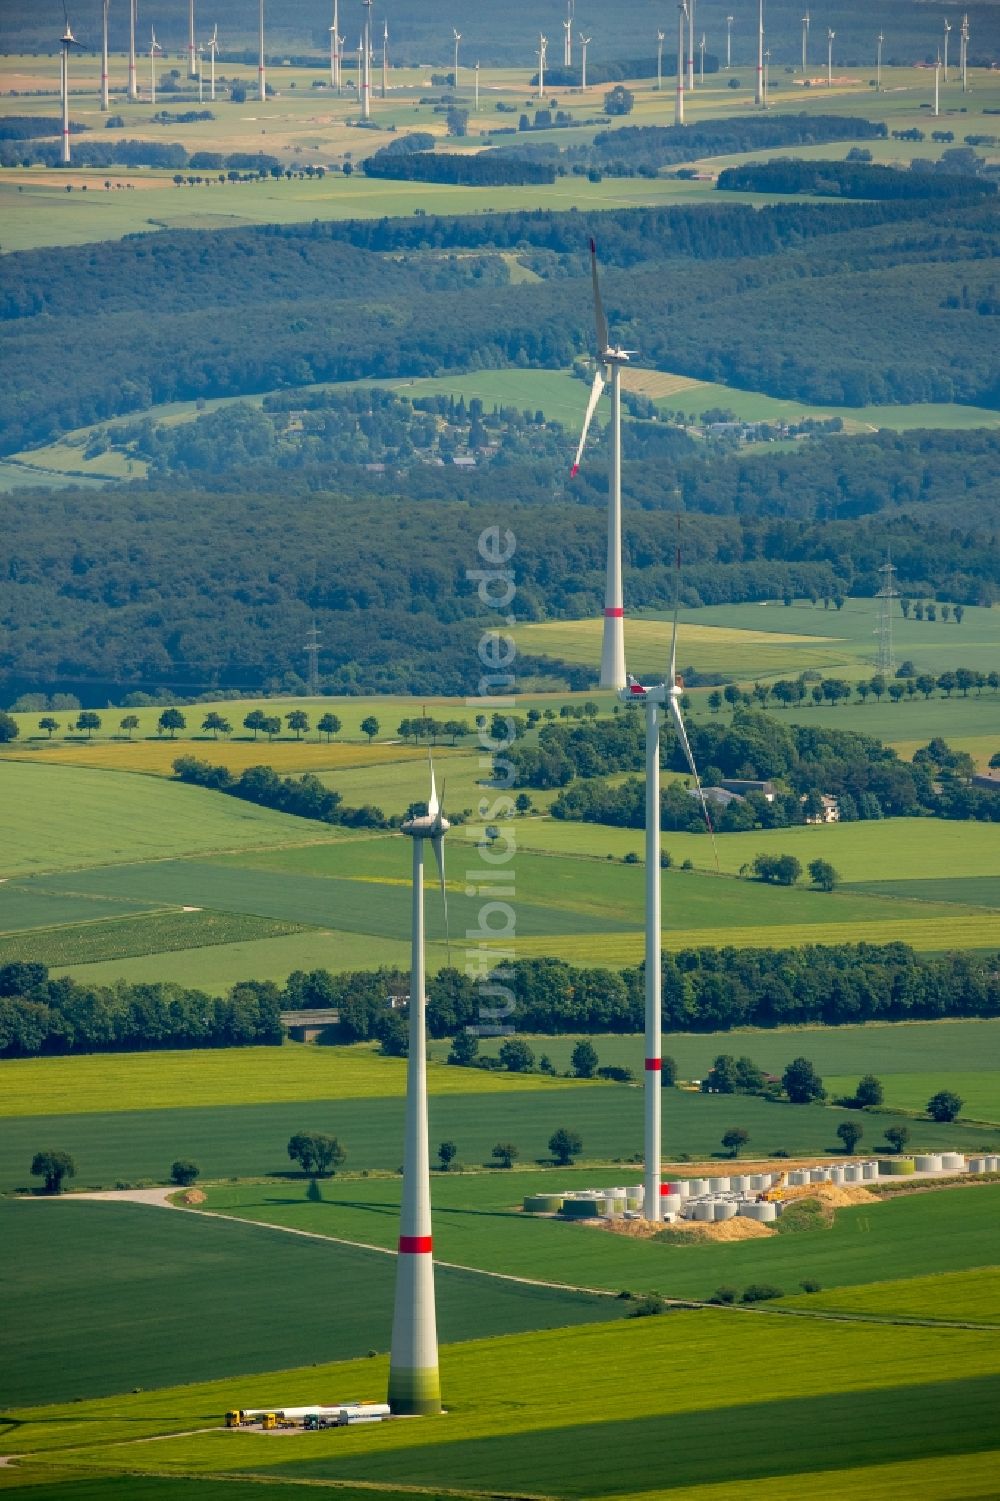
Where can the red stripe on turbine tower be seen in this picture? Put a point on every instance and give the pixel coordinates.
(415, 1245)
(654, 1065)
(615, 611)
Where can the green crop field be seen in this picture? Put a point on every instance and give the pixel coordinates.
(671, 1397)
(978, 1089)
(142, 934)
(477, 1223)
(968, 1296)
(60, 819)
(139, 1296)
(247, 1140)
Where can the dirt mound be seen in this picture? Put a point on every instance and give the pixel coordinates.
(838, 1196)
(739, 1228)
(193, 1196)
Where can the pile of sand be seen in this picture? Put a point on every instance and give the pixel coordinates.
(836, 1195)
(193, 1196)
(739, 1228)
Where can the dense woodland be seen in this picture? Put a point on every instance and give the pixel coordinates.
(851, 180)
(704, 990)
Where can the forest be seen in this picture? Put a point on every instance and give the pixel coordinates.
(488, 169)
(704, 990)
(851, 180)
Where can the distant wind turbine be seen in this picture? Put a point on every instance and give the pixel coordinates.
(414, 1379)
(759, 90)
(568, 42)
(335, 48)
(133, 21)
(937, 85)
(964, 54)
(584, 44)
(830, 34)
(701, 49)
(201, 72)
(659, 60)
(477, 85)
(690, 47)
(729, 42)
(879, 40)
(947, 33)
(154, 48)
(213, 47)
(543, 43)
(191, 41)
(66, 41)
(366, 63)
(458, 37)
(261, 67)
(385, 59)
(105, 99)
(682, 10)
(610, 359)
(805, 43)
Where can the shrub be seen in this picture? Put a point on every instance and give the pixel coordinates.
(183, 1172)
(646, 1306)
(808, 1285)
(724, 1295)
(761, 1292)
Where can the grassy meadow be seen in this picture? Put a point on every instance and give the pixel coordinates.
(969, 1296)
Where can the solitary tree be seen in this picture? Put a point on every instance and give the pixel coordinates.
(505, 1153)
(802, 1083)
(850, 1134)
(668, 1072)
(298, 720)
(316, 1153)
(48, 724)
(464, 1050)
(172, 720)
(89, 721)
(329, 726)
(516, 1056)
(822, 875)
(565, 1145)
(370, 727)
(128, 723)
(184, 1172)
(944, 1106)
(9, 727)
(897, 1137)
(53, 1167)
(619, 101)
(584, 1060)
(447, 1152)
(734, 1139)
(869, 1092)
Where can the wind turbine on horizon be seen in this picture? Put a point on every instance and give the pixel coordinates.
(879, 43)
(414, 1378)
(659, 61)
(830, 34)
(690, 47)
(947, 32)
(543, 43)
(66, 41)
(154, 48)
(682, 10)
(729, 42)
(758, 97)
(105, 89)
(610, 358)
(133, 21)
(701, 71)
(261, 69)
(458, 37)
(192, 48)
(365, 79)
(584, 44)
(213, 47)
(805, 42)
(335, 40)
(385, 59)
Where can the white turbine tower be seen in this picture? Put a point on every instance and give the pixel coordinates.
(261, 70)
(964, 53)
(805, 43)
(191, 41)
(105, 99)
(879, 41)
(759, 89)
(654, 698)
(830, 34)
(201, 72)
(458, 37)
(729, 42)
(133, 21)
(609, 358)
(543, 43)
(690, 48)
(414, 1380)
(477, 85)
(568, 42)
(767, 75)
(659, 61)
(213, 47)
(584, 44)
(154, 48)
(365, 82)
(66, 41)
(947, 31)
(385, 59)
(681, 28)
(701, 72)
(335, 40)
(937, 86)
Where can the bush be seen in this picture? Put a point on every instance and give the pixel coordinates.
(646, 1306)
(724, 1295)
(565, 1145)
(761, 1292)
(584, 1060)
(183, 1172)
(808, 1285)
(944, 1106)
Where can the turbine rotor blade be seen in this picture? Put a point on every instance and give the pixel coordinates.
(437, 845)
(595, 396)
(433, 806)
(678, 719)
(599, 318)
(672, 679)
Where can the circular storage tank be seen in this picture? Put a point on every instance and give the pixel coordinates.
(977, 1164)
(993, 1164)
(697, 1188)
(852, 1174)
(896, 1167)
(869, 1171)
(740, 1183)
(724, 1211)
(704, 1210)
(763, 1212)
(543, 1203)
(633, 1203)
(797, 1177)
(671, 1203)
(953, 1162)
(759, 1182)
(836, 1175)
(682, 1187)
(819, 1174)
(718, 1185)
(929, 1163)
(580, 1209)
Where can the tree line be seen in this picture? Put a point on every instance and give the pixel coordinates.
(850, 180)
(305, 796)
(486, 169)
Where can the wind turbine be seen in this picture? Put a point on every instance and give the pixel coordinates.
(458, 37)
(830, 34)
(154, 48)
(964, 55)
(937, 85)
(366, 63)
(690, 51)
(477, 85)
(805, 42)
(584, 44)
(947, 31)
(66, 41)
(105, 99)
(213, 47)
(679, 99)
(543, 43)
(609, 358)
(385, 59)
(701, 49)
(568, 42)
(414, 1380)
(880, 39)
(133, 19)
(659, 60)
(335, 49)
(767, 74)
(729, 42)
(654, 699)
(759, 90)
(201, 73)
(191, 41)
(261, 73)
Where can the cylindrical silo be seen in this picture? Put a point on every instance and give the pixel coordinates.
(758, 1182)
(818, 1174)
(869, 1171)
(704, 1210)
(977, 1164)
(764, 1212)
(993, 1164)
(682, 1187)
(836, 1175)
(852, 1173)
(797, 1177)
(928, 1162)
(671, 1203)
(953, 1162)
(740, 1183)
(723, 1210)
(543, 1203)
(718, 1185)
(580, 1208)
(697, 1187)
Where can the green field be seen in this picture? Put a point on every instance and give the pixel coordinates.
(972, 1297)
(477, 1223)
(142, 934)
(979, 1089)
(140, 1297)
(678, 1390)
